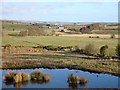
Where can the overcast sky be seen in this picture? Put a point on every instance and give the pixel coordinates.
(61, 11)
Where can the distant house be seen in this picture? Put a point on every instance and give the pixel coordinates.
(61, 28)
(45, 26)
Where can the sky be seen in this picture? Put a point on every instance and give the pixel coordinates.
(61, 11)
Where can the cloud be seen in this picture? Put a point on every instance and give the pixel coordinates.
(65, 11)
(22, 8)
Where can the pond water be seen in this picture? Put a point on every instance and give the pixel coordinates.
(58, 79)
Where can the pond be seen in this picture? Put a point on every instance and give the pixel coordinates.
(58, 79)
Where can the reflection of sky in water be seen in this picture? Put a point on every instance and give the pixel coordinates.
(0, 79)
(58, 79)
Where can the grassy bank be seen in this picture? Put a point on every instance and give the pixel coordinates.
(61, 61)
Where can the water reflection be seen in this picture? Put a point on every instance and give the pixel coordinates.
(73, 85)
(8, 84)
(76, 85)
(38, 82)
(25, 83)
(19, 85)
(82, 84)
(60, 81)
(16, 85)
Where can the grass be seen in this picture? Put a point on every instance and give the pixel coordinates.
(42, 56)
(16, 26)
(51, 62)
(60, 41)
(105, 31)
(80, 40)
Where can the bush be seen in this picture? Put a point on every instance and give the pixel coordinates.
(36, 75)
(112, 36)
(90, 49)
(103, 50)
(82, 81)
(77, 49)
(57, 34)
(72, 79)
(25, 77)
(90, 36)
(20, 77)
(9, 77)
(46, 77)
(118, 50)
(15, 77)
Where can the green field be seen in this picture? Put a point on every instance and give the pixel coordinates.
(30, 41)
(15, 26)
(105, 31)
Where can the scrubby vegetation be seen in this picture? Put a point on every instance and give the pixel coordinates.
(103, 50)
(112, 36)
(82, 81)
(74, 80)
(90, 49)
(118, 50)
(15, 77)
(18, 79)
(39, 76)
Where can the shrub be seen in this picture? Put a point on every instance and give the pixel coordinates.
(118, 50)
(90, 49)
(82, 81)
(25, 77)
(15, 77)
(7, 45)
(112, 36)
(97, 37)
(20, 77)
(46, 77)
(39, 77)
(77, 49)
(90, 36)
(36, 75)
(103, 50)
(72, 79)
(57, 34)
(9, 77)
(53, 32)
(85, 30)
